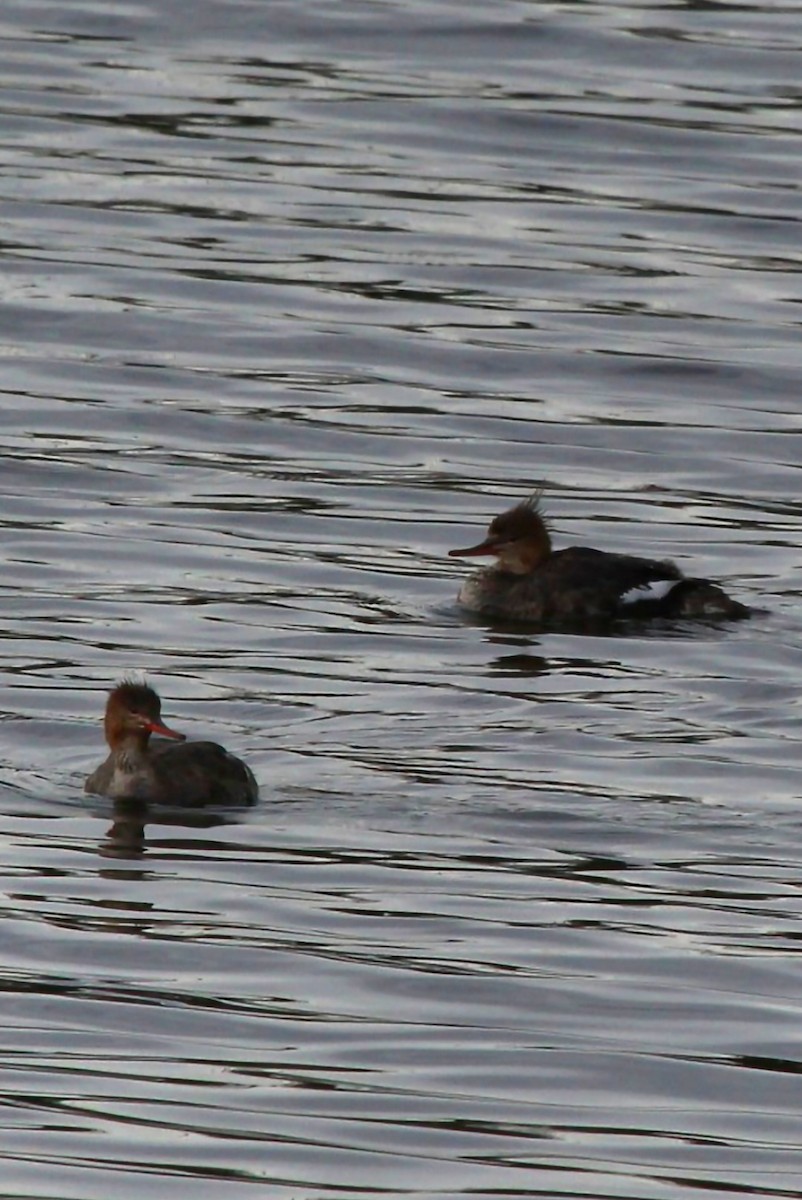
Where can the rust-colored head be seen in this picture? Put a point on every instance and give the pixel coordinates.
(133, 713)
(519, 538)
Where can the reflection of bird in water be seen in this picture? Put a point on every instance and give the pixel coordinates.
(533, 582)
(172, 771)
(126, 837)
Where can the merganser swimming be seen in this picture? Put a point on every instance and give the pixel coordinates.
(192, 773)
(533, 582)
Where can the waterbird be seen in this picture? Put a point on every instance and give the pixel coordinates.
(170, 771)
(531, 581)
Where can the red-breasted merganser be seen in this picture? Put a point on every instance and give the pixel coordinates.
(188, 773)
(533, 582)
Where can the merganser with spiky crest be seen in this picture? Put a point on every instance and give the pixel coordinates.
(163, 772)
(533, 582)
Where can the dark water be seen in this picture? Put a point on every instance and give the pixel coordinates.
(295, 297)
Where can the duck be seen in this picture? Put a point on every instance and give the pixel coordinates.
(170, 770)
(531, 581)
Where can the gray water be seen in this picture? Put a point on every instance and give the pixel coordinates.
(295, 298)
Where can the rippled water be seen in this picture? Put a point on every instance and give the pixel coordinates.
(296, 297)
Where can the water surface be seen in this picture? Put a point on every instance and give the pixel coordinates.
(296, 298)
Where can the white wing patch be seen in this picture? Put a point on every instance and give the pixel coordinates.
(649, 591)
